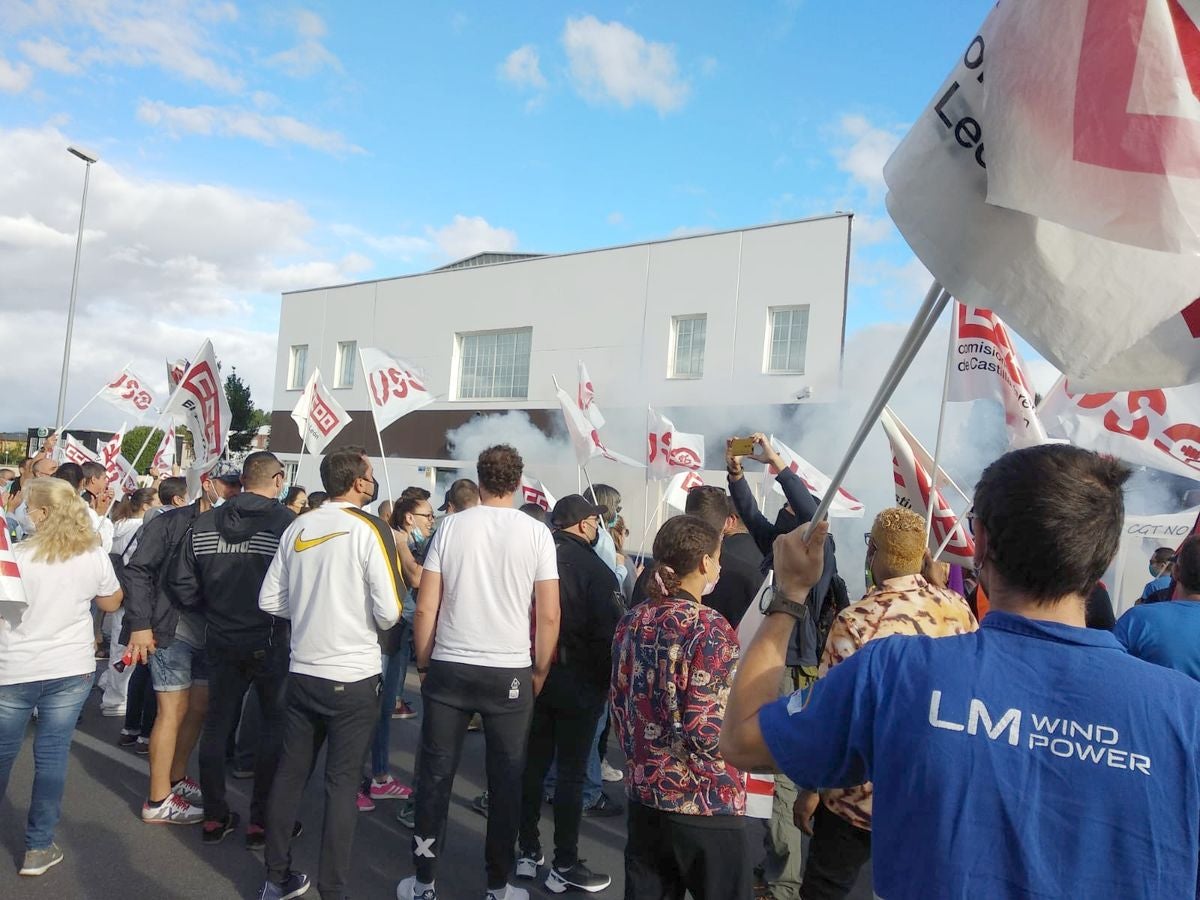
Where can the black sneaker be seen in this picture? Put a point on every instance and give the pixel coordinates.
(214, 832)
(579, 877)
(406, 815)
(127, 739)
(604, 808)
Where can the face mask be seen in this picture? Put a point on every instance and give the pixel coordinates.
(709, 587)
(595, 537)
(417, 535)
(374, 492)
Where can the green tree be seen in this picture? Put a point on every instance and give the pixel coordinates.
(132, 443)
(242, 418)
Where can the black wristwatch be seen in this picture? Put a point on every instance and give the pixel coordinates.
(775, 601)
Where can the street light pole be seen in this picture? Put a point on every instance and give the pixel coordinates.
(88, 159)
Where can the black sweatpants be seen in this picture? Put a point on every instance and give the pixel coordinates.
(233, 671)
(564, 722)
(342, 715)
(668, 855)
(836, 853)
(451, 694)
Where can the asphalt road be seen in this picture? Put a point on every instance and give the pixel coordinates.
(111, 855)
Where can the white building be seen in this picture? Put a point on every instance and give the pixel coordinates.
(701, 328)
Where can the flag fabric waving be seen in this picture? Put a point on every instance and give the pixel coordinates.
(393, 385)
(911, 465)
(317, 415)
(533, 491)
(586, 397)
(985, 364)
(584, 436)
(1159, 428)
(121, 475)
(845, 504)
(74, 451)
(1080, 298)
(680, 486)
(12, 591)
(668, 450)
(175, 373)
(200, 401)
(129, 392)
(164, 456)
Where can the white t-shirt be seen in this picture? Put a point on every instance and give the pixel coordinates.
(52, 637)
(488, 557)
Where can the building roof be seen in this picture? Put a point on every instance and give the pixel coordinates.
(491, 258)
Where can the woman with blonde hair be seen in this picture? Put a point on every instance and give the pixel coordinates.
(47, 651)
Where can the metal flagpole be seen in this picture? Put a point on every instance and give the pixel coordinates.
(387, 478)
(937, 447)
(588, 479)
(71, 420)
(935, 301)
(946, 541)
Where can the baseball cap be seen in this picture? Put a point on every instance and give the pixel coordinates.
(573, 509)
(459, 494)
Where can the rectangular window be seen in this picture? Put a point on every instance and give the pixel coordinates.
(687, 346)
(787, 340)
(347, 353)
(494, 365)
(298, 367)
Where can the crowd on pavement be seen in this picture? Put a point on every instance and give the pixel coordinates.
(993, 732)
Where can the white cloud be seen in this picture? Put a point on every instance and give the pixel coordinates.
(868, 148)
(310, 55)
(468, 235)
(14, 78)
(610, 61)
(47, 54)
(232, 121)
(522, 68)
(615, 218)
(208, 260)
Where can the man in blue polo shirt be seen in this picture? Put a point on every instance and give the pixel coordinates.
(1033, 758)
(1168, 634)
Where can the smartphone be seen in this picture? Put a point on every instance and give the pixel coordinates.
(741, 446)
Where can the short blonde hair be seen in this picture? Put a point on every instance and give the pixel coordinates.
(67, 530)
(899, 538)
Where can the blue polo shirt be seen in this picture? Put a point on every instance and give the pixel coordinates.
(1028, 759)
(1166, 634)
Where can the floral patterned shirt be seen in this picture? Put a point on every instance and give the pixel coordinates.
(908, 605)
(673, 663)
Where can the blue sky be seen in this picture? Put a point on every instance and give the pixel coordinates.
(252, 148)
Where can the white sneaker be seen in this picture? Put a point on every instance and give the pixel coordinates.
(112, 711)
(510, 892)
(172, 811)
(609, 773)
(189, 790)
(407, 890)
(527, 865)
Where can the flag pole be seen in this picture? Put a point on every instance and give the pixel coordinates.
(167, 409)
(937, 446)
(588, 479)
(935, 301)
(71, 421)
(950, 534)
(387, 478)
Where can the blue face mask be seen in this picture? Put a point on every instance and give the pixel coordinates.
(417, 535)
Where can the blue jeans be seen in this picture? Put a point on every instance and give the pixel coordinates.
(593, 786)
(395, 667)
(58, 703)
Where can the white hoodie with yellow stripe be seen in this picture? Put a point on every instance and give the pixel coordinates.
(337, 579)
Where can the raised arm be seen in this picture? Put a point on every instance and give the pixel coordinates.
(756, 523)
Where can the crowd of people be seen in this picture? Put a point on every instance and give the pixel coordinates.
(987, 733)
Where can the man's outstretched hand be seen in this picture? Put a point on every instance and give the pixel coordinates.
(800, 559)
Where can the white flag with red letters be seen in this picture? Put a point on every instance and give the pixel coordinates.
(911, 465)
(1086, 291)
(200, 401)
(584, 436)
(586, 397)
(845, 504)
(533, 491)
(164, 456)
(668, 450)
(12, 591)
(121, 475)
(680, 486)
(395, 387)
(71, 450)
(130, 393)
(317, 415)
(1157, 428)
(985, 365)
